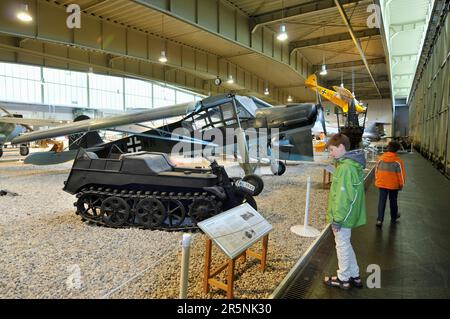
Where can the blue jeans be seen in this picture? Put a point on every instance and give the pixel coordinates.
(392, 203)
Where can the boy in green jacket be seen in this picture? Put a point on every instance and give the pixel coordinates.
(346, 208)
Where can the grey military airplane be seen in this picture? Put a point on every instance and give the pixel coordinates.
(12, 125)
(375, 131)
(199, 122)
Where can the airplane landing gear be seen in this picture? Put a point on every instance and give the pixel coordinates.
(278, 168)
(24, 150)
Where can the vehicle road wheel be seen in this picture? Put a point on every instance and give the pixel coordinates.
(115, 211)
(175, 213)
(151, 212)
(88, 206)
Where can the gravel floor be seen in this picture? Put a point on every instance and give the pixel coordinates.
(48, 252)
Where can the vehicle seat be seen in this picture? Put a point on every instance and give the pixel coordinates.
(151, 163)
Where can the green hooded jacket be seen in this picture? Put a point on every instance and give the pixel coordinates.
(347, 199)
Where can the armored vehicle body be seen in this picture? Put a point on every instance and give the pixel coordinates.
(145, 189)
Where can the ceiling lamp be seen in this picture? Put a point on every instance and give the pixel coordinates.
(282, 36)
(266, 91)
(24, 15)
(289, 99)
(230, 79)
(324, 68)
(163, 58)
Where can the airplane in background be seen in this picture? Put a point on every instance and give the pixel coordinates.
(199, 120)
(12, 125)
(341, 96)
(375, 131)
(351, 109)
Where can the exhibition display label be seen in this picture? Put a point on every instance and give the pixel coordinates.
(236, 229)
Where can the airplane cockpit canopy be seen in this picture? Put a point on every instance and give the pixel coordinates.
(218, 111)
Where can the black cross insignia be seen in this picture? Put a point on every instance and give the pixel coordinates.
(133, 145)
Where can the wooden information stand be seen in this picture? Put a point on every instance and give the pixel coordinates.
(326, 179)
(209, 275)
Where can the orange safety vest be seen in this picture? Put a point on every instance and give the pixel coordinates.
(390, 172)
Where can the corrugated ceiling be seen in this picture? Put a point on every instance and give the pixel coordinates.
(313, 25)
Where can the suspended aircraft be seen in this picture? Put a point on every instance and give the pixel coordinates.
(350, 106)
(341, 96)
(12, 125)
(199, 122)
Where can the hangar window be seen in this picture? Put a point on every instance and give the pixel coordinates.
(63, 87)
(163, 96)
(20, 83)
(138, 94)
(182, 97)
(105, 92)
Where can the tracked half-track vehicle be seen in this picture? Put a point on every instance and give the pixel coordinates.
(146, 190)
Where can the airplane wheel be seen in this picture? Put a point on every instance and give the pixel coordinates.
(256, 181)
(24, 150)
(281, 169)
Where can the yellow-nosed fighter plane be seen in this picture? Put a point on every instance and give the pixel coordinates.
(341, 96)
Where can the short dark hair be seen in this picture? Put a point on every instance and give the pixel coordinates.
(338, 139)
(393, 146)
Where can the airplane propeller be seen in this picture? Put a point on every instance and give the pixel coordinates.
(320, 111)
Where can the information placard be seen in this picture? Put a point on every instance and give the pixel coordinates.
(236, 229)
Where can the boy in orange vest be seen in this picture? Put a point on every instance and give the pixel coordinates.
(389, 178)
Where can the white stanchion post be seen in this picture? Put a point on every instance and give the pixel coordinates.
(186, 246)
(308, 193)
(305, 230)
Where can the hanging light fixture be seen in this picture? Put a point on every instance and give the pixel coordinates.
(289, 99)
(266, 91)
(230, 76)
(24, 15)
(163, 57)
(282, 35)
(324, 68)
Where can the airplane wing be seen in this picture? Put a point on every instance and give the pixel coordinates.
(107, 122)
(22, 121)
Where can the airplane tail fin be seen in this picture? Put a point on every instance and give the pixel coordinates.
(311, 81)
(84, 140)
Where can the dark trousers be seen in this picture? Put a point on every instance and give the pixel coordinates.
(392, 203)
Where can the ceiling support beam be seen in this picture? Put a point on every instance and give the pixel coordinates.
(312, 7)
(330, 39)
(349, 64)
(357, 43)
(226, 21)
(359, 81)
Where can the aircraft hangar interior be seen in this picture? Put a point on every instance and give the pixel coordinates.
(224, 149)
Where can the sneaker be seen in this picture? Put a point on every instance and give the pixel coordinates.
(356, 282)
(379, 223)
(334, 281)
(396, 220)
